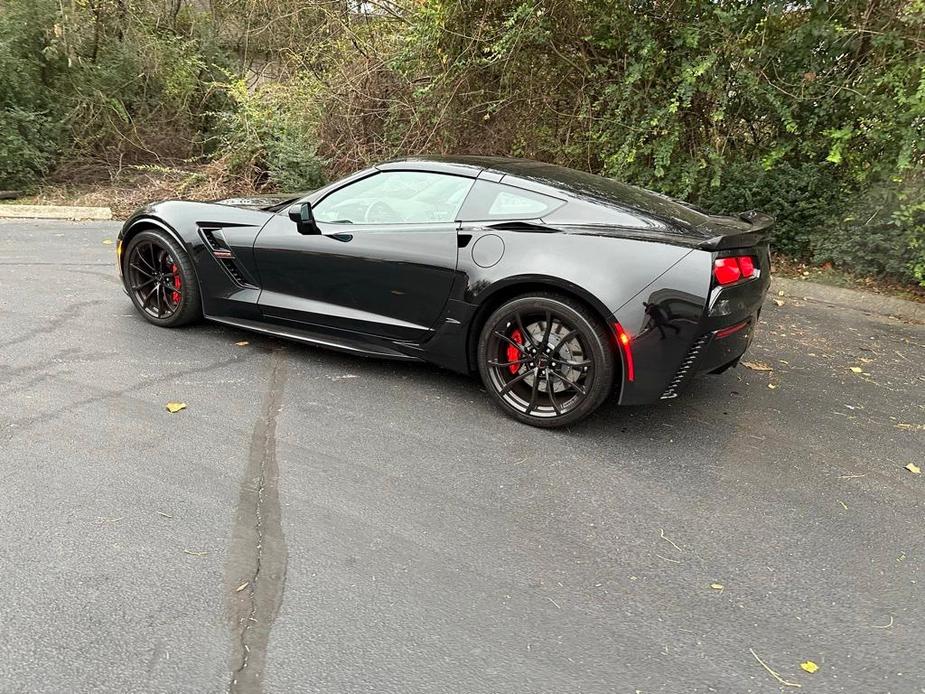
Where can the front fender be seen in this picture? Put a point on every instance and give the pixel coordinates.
(186, 221)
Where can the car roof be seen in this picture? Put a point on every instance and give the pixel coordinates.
(547, 178)
(470, 165)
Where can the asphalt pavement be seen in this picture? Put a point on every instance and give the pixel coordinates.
(313, 522)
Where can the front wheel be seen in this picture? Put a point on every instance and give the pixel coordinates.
(160, 280)
(546, 360)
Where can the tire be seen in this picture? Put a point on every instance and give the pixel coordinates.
(160, 279)
(546, 360)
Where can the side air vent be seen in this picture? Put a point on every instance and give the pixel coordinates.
(224, 255)
(211, 241)
(233, 270)
(524, 226)
(684, 370)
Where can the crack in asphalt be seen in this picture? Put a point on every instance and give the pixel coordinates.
(104, 394)
(71, 313)
(255, 576)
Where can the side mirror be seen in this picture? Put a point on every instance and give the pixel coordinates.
(301, 213)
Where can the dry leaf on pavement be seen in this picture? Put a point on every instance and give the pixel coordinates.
(856, 369)
(914, 469)
(173, 407)
(809, 666)
(756, 366)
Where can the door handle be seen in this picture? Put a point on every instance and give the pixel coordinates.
(341, 236)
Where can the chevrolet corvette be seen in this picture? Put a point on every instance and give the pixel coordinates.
(559, 288)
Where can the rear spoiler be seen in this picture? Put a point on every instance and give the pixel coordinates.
(757, 233)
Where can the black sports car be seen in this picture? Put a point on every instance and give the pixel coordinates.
(558, 287)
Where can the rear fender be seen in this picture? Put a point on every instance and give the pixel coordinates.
(663, 322)
(605, 271)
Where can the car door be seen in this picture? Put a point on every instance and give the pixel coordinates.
(383, 264)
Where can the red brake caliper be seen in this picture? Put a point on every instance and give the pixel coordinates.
(513, 354)
(177, 283)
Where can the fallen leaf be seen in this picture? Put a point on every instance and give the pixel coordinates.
(778, 302)
(173, 407)
(914, 469)
(717, 586)
(195, 554)
(242, 586)
(242, 343)
(856, 369)
(809, 666)
(756, 366)
(771, 386)
(108, 242)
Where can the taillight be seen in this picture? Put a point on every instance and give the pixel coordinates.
(726, 270)
(747, 266)
(734, 268)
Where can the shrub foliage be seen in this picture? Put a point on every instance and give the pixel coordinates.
(813, 111)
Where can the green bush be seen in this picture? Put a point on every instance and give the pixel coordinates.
(29, 136)
(27, 147)
(801, 110)
(882, 235)
(269, 136)
(804, 199)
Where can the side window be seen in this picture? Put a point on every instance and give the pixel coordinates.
(489, 201)
(396, 197)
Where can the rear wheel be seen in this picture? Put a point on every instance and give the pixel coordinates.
(546, 360)
(160, 280)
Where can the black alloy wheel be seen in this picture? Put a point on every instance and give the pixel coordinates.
(546, 359)
(160, 280)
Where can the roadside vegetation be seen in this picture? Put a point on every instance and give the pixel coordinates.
(811, 111)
